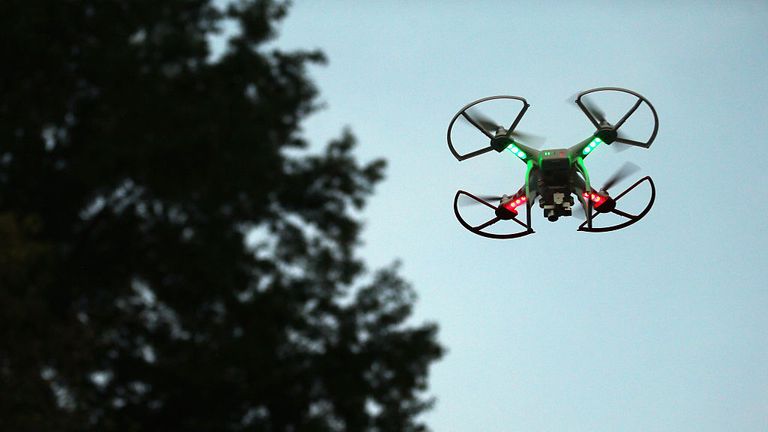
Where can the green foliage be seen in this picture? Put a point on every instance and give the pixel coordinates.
(165, 263)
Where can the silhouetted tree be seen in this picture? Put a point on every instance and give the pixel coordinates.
(172, 257)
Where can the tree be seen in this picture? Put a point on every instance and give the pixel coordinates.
(172, 257)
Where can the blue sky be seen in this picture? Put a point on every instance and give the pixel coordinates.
(659, 327)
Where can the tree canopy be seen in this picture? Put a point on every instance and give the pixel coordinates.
(172, 256)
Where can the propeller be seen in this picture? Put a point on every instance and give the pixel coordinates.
(625, 171)
(594, 110)
(483, 120)
(491, 126)
(527, 138)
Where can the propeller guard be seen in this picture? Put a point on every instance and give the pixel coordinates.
(478, 229)
(587, 226)
(462, 112)
(640, 100)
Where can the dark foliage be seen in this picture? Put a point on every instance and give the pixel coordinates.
(171, 257)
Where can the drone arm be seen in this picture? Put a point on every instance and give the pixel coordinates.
(521, 151)
(585, 148)
(531, 152)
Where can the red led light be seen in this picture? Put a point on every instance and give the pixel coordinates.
(596, 198)
(510, 205)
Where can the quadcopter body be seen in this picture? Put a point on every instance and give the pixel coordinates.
(558, 177)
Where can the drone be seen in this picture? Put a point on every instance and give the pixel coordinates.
(553, 176)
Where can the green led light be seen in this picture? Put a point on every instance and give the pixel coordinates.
(592, 145)
(519, 153)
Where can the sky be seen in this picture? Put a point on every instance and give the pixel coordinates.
(658, 327)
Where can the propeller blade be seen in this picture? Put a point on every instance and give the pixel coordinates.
(491, 126)
(527, 138)
(619, 147)
(595, 110)
(625, 171)
(483, 120)
(598, 113)
(467, 201)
